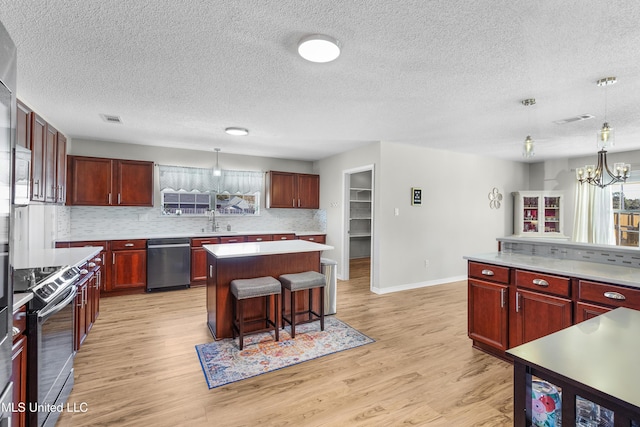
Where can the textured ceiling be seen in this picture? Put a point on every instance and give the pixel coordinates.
(443, 74)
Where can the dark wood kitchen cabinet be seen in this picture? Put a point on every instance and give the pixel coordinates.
(38, 147)
(61, 169)
(488, 306)
(199, 259)
(81, 324)
(23, 125)
(292, 190)
(19, 365)
(128, 265)
(95, 181)
(50, 160)
(317, 238)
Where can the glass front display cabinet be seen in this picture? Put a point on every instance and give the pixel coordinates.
(538, 214)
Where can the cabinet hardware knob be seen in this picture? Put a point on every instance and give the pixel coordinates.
(487, 273)
(615, 295)
(128, 244)
(540, 282)
(517, 301)
(15, 331)
(502, 298)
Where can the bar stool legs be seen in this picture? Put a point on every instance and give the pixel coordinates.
(243, 290)
(308, 280)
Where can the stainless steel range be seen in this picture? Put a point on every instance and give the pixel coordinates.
(50, 339)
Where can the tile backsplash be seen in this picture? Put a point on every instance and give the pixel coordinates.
(79, 221)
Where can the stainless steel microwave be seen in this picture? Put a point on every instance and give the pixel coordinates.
(22, 176)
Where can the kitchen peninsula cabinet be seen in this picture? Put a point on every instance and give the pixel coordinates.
(94, 181)
(128, 265)
(292, 190)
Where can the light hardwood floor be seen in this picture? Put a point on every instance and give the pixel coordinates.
(138, 367)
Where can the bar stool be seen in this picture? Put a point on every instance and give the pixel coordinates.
(307, 280)
(247, 289)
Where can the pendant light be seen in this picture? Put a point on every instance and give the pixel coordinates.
(528, 149)
(600, 175)
(217, 171)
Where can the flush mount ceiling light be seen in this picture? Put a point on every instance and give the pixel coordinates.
(319, 48)
(235, 131)
(217, 171)
(527, 149)
(595, 174)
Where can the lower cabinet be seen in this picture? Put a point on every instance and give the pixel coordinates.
(19, 366)
(539, 314)
(488, 313)
(318, 238)
(82, 319)
(585, 311)
(199, 259)
(128, 265)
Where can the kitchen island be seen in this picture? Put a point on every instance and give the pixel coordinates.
(595, 360)
(227, 262)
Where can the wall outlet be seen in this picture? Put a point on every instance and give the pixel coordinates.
(426, 263)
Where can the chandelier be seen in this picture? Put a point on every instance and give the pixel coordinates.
(601, 175)
(527, 149)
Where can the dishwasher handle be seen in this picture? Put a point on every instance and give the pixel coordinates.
(179, 245)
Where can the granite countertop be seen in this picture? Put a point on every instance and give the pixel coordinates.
(237, 250)
(615, 274)
(130, 236)
(600, 353)
(54, 257)
(20, 299)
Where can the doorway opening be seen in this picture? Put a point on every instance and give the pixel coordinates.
(358, 225)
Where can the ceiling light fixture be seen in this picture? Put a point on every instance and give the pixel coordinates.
(217, 171)
(235, 131)
(527, 149)
(319, 48)
(595, 175)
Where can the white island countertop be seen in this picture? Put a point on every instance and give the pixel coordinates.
(54, 257)
(237, 250)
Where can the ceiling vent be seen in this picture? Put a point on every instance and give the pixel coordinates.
(574, 119)
(111, 119)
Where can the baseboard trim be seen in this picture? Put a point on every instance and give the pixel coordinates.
(409, 286)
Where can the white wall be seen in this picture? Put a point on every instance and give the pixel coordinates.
(454, 220)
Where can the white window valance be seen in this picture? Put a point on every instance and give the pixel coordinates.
(202, 180)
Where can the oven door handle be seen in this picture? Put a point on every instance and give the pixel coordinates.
(59, 306)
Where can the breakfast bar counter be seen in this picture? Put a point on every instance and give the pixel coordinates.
(227, 262)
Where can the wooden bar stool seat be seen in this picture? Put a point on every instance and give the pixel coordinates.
(244, 290)
(296, 282)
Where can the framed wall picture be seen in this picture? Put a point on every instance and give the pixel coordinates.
(416, 196)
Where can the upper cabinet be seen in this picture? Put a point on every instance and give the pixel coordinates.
(48, 155)
(292, 190)
(538, 214)
(95, 181)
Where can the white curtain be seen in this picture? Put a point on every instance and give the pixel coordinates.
(202, 180)
(593, 222)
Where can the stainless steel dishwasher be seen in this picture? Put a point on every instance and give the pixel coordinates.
(168, 263)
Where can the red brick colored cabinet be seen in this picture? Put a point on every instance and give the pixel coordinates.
(292, 190)
(317, 238)
(128, 265)
(199, 259)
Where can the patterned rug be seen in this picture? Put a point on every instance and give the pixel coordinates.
(222, 362)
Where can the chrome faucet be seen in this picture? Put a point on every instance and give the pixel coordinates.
(212, 217)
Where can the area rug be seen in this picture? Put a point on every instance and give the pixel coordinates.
(223, 363)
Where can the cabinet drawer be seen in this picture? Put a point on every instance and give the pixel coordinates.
(490, 272)
(196, 243)
(611, 295)
(259, 238)
(117, 245)
(543, 282)
(284, 236)
(317, 238)
(20, 321)
(232, 239)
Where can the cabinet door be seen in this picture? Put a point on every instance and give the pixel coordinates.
(90, 181)
(23, 125)
(129, 269)
(538, 315)
(38, 144)
(50, 157)
(198, 264)
(308, 191)
(586, 311)
(134, 183)
(281, 191)
(80, 315)
(488, 313)
(61, 169)
(19, 379)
